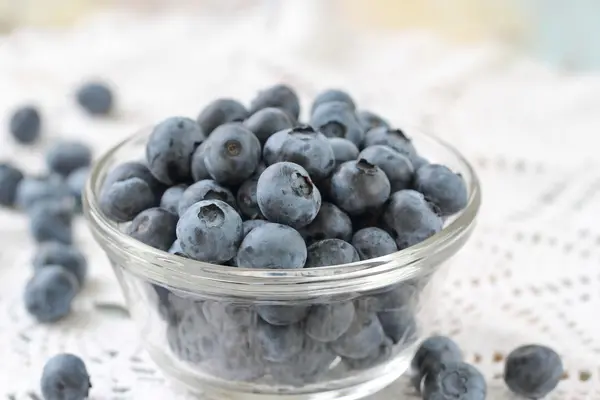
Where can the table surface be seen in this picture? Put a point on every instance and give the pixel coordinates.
(529, 274)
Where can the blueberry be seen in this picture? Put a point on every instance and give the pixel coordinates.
(176, 249)
(336, 119)
(312, 362)
(133, 169)
(455, 381)
(396, 297)
(286, 195)
(172, 307)
(267, 121)
(170, 147)
(232, 154)
(25, 124)
(224, 316)
(52, 221)
(282, 314)
(343, 150)
(49, 293)
(394, 138)
(96, 98)
(410, 219)
(369, 120)
(123, 200)
(397, 167)
(359, 186)
(418, 162)
(65, 377)
(69, 257)
(432, 354)
(330, 223)
(533, 371)
(65, 157)
(278, 96)
(238, 357)
(171, 197)
(330, 252)
(154, 227)
(32, 191)
(327, 322)
(305, 147)
(272, 246)
(219, 112)
(278, 343)
(379, 355)
(330, 95)
(362, 338)
(206, 189)
(399, 325)
(210, 230)
(373, 242)
(197, 340)
(442, 187)
(76, 182)
(246, 199)
(198, 166)
(10, 177)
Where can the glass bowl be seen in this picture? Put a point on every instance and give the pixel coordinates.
(336, 332)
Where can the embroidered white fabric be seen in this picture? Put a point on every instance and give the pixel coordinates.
(529, 274)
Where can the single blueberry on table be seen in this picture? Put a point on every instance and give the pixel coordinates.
(303, 146)
(272, 246)
(206, 189)
(343, 150)
(397, 167)
(232, 154)
(49, 293)
(369, 120)
(278, 96)
(432, 354)
(25, 124)
(282, 314)
(154, 227)
(533, 371)
(65, 157)
(171, 197)
(455, 381)
(330, 252)
(286, 194)
(336, 119)
(394, 138)
(170, 147)
(198, 164)
(268, 121)
(410, 219)
(96, 98)
(52, 221)
(250, 224)
(278, 343)
(123, 200)
(359, 186)
(330, 223)
(399, 325)
(210, 230)
(133, 169)
(373, 242)
(65, 377)
(330, 95)
(327, 322)
(379, 355)
(32, 191)
(76, 182)
(69, 257)
(246, 199)
(10, 177)
(362, 338)
(219, 112)
(442, 187)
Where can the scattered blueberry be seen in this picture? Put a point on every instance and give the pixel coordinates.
(397, 167)
(49, 293)
(432, 354)
(272, 246)
(25, 124)
(154, 227)
(246, 199)
(362, 338)
(327, 322)
(330, 223)
(373, 242)
(330, 95)
(219, 112)
(69, 257)
(442, 187)
(10, 177)
(410, 218)
(65, 377)
(32, 191)
(65, 157)
(232, 154)
(282, 314)
(278, 96)
(286, 195)
(171, 197)
(279, 343)
(170, 147)
(52, 221)
(533, 371)
(369, 120)
(210, 230)
(359, 186)
(343, 150)
(76, 182)
(96, 98)
(206, 189)
(123, 200)
(379, 355)
(336, 119)
(313, 361)
(250, 224)
(455, 381)
(399, 325)
(268, 121)
(330, 252)
(133, 169)
(394, 138)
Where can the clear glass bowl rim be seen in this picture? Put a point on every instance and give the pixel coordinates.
(192, 276)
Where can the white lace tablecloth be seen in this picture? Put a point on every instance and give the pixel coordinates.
(530, 273)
